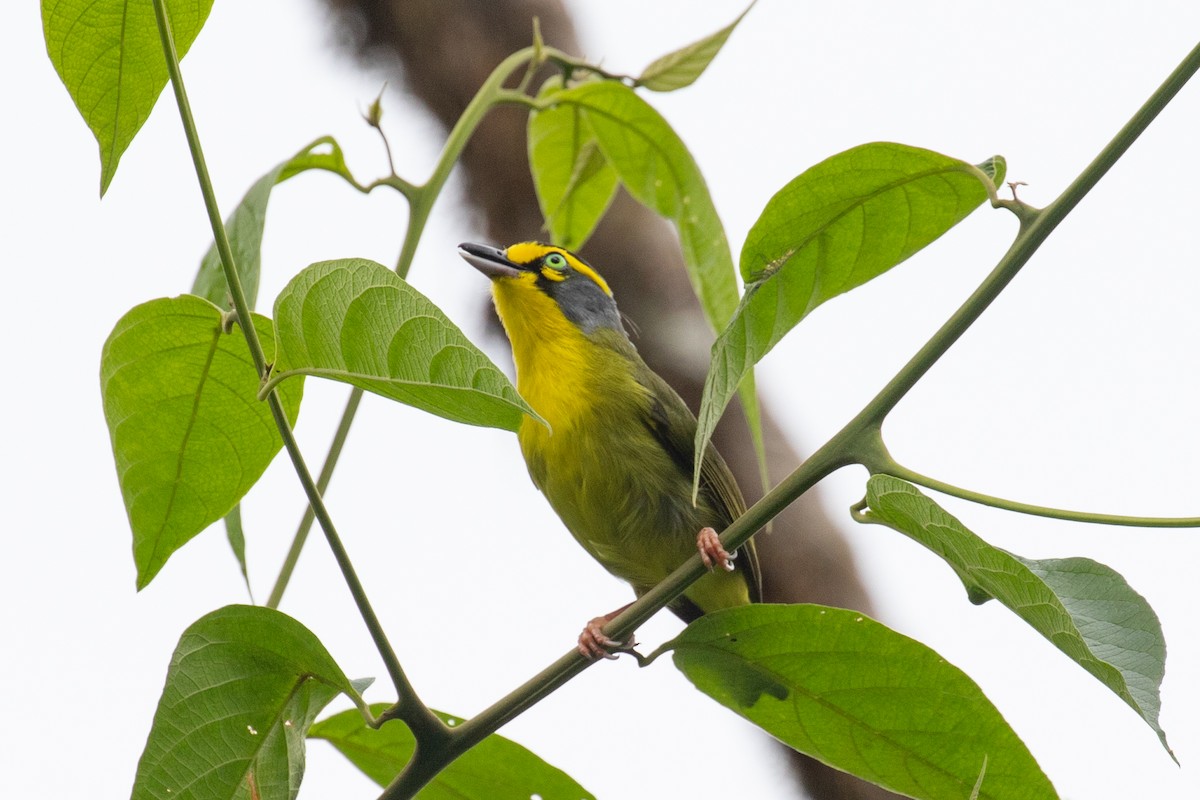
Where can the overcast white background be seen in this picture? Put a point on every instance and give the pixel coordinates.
(1077, 389)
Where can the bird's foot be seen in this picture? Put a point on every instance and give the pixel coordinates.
(593, 644)
(712, 552)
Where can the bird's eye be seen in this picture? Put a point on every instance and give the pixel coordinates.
(556, 261)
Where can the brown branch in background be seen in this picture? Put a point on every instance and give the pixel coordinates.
(443, 50)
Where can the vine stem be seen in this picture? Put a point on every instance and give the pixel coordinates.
(331, 459)
(859, 442)
(418, 714)
(427, 194)
(904, 473)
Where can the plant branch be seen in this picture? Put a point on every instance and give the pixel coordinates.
(426, 195)
(902, 472)
(331, 459)
(570, 64)
(395, 181)
(403, 687)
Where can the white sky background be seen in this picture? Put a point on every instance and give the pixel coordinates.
(1077, 389)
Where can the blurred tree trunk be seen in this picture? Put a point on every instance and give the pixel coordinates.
(443, 50)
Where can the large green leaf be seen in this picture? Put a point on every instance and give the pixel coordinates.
(1084, 608)
(109, 55)
(495, 769)
(574, 181)
(244, 226)
(243, 687)
(657, 169)
(356, 321)
(839, 224)
(860, 697)
(188, 434)
(682, 67)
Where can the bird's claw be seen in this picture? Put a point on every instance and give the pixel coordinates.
(593, 644)
(712, 552)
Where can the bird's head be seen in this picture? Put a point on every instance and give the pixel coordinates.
(538, 286)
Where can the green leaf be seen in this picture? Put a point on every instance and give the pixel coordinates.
(357, 322)
(1084, 608)
(860, 697)
(682, 67)
(109, 55)
(495, 769)
(188, 435)
(245, 225)
(243, 687)
(657, 169)
(575, 183)
(237, 543)
(839, 224)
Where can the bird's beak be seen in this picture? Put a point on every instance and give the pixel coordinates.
(491, 261)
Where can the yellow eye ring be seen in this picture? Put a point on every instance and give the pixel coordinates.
(556, 261)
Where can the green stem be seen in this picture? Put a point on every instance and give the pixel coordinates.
(240, 305)
(394, 181)
(425, 195)
(899, 471)
(331, 459)
(403, 687)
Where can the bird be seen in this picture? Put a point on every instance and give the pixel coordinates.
(614, 449)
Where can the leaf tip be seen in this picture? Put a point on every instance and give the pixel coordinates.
(144, 576)
(106, 175)
(995, 168)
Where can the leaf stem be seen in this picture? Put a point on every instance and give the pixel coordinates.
(904, 473)
(331, 459)
(404, 689)
(395, 181)
(425, 195)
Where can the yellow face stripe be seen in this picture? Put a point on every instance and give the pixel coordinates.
(528, 252)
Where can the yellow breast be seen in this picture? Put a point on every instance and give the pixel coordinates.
(587, 395)
(602, 465)
(555, 371)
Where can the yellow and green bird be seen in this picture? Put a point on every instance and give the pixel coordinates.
(616, 461)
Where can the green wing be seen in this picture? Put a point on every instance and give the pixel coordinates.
(674, 425)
